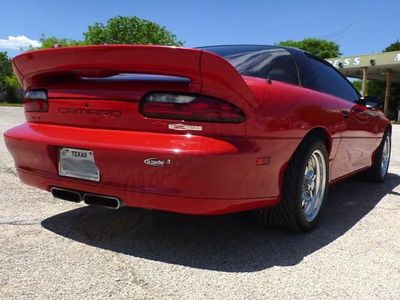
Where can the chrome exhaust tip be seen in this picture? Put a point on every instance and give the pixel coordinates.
(102, 201)
(68, 195)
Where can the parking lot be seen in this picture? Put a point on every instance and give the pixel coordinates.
(54, 249)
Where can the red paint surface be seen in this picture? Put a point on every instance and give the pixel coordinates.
(211, 171)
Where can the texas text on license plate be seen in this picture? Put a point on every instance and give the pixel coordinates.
(78, 163)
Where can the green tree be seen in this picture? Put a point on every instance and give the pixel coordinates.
(357, 84)
(319, 47)
(50, 42)
(8, 82)
(130, 30)
(13, 89)
(118, 30)
(393, 47)
(5, 69)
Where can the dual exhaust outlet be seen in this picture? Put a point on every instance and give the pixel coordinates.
(88, 198)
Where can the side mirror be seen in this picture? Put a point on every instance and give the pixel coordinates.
(372, 102)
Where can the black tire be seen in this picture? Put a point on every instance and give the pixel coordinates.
(377, 172)
(289, 213)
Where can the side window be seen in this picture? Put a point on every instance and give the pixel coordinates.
(282, 68)
(322, 77)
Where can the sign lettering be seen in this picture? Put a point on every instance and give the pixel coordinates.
(355, 61)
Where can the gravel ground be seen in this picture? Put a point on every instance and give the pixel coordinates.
(53, 249)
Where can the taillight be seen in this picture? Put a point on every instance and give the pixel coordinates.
(36, 101)
(190, 108)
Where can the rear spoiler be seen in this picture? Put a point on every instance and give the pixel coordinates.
(206, 72)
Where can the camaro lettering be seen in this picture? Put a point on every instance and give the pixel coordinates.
(90, 111)
(152, 161)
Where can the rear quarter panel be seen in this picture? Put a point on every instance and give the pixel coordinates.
(286, 114)
(289, 111)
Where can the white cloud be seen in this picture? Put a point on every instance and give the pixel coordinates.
(18, 42)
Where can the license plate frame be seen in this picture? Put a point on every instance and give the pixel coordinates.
(78, 163)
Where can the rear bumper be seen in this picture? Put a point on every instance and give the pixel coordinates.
(206, 175)
(196, 206)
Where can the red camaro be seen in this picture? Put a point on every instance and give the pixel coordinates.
(210, 130)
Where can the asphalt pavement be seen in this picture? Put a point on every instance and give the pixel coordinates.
(54, 249)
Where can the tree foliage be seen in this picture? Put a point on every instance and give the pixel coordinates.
(12, 89)
(118, 30)
(319, 47)
(357, 85)
(9, 85)
(50, 42)
(5, 68)
(130, 30)
(393, 47)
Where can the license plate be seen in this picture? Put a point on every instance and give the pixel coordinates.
(78, 163)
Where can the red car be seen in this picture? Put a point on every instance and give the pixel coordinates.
(210, 130)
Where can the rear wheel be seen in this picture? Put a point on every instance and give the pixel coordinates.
(305, 187)
(379, 169)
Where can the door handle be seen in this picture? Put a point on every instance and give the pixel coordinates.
(357, 110)
(346, 113)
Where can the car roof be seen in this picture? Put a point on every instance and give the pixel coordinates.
(290, 49)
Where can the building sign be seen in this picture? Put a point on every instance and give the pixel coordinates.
(350, 61)
(380, 59)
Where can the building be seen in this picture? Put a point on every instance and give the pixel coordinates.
(383, 67)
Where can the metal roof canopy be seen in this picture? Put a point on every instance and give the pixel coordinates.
(381, 67)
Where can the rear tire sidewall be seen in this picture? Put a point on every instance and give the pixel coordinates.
(289, 214)
(380, 157)
(375, 173)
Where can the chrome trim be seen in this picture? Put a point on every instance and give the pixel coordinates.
(314, 185)
(54, 189)
(385, 155)
(118, 202)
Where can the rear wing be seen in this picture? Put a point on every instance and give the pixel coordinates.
(206, 73)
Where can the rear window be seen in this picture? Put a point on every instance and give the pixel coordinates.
(260, 61)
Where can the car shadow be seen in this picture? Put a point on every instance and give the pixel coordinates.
(229, 243)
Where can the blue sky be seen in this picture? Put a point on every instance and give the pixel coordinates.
(357, 26)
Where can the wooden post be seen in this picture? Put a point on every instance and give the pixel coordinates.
(387, 92)
(364, 90)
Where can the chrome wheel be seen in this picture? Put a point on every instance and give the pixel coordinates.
(314, 185)
(385, 156)
(304, 188)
